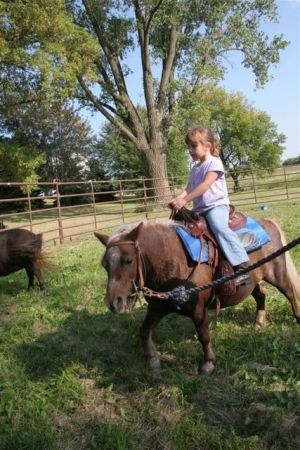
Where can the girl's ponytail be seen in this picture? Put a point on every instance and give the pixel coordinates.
(215, 147)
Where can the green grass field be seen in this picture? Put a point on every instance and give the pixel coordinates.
(72, 374)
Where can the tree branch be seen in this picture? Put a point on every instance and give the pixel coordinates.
(167, 70)
(152, 14)
(100, 106)
(143, 34)
(121, 94)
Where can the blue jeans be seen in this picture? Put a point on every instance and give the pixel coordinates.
(229, 242)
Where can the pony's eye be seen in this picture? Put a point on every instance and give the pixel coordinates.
(128, 260)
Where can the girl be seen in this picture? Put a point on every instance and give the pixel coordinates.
(208, 190)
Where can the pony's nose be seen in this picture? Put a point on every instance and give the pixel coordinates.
(119, 304)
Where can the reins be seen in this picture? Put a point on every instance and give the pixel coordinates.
(180, 294)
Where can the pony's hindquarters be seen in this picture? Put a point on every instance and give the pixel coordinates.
(291, 284)
(25, 251)
(294, 280)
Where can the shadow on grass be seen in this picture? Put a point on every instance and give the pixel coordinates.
(111, 344)
(11, 286)
(239, 396)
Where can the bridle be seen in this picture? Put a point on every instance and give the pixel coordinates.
(138, 284)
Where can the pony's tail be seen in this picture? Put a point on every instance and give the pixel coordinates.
(41, 261)
(32, 250)
(292, 275)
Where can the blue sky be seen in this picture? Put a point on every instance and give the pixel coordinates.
(280, 97)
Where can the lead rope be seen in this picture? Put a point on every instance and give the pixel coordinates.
(181, 295)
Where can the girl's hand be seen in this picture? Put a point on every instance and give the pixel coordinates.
(177, 203)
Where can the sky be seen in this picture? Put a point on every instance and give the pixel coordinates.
(279, 98)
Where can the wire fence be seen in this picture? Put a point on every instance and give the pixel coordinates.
(63, 210)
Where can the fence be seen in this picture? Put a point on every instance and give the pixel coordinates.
(63, 210)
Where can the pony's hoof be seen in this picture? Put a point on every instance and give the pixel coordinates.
(207, 368)
(259, 325)
(260, 320)
(154, 363)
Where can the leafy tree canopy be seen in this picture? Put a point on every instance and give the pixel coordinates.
(291, 161)
(83, 48)
(57, 132)
(249, 139)
(18, 163)
(120, 159)
(245, 133)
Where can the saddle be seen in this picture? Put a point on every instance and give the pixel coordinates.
(199, 227)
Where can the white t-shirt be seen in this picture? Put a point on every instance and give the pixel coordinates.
(217, 193)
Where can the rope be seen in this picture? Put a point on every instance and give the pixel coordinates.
(181, 295)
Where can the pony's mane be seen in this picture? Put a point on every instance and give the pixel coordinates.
(124, 229)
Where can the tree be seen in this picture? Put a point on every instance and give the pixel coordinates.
(291, 161)
(88, 44)
(249, 139)
(57, 132)
(17, 164)
(119, 159)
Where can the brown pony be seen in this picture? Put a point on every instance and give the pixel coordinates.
(22, 249)
(152, 252)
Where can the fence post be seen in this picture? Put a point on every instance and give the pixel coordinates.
(122, 205)
(59, 217)
(94, 204)
(29, 207)
(145, 198)
(173, 186)
(254, 190)
(286, 184)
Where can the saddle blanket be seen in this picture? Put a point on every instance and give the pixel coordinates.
(252, 236)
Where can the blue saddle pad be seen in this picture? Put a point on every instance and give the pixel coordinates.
(252, 236)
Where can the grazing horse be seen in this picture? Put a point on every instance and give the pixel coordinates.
(22, 249)
(152, 252)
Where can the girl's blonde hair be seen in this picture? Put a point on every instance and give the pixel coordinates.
(204, 135)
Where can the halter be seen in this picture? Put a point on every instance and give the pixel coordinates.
(139, 286)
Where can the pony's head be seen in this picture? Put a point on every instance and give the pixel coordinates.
(122, 262)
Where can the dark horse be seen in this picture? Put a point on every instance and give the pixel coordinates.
(22, 249)
(153, 252)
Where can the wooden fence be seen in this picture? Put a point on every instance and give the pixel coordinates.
(63, 210)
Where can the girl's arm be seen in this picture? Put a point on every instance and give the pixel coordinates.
(183, 193)
(184, 198)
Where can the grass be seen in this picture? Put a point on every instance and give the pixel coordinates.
(72, 374)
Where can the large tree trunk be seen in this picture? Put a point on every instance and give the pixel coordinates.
(157, 170)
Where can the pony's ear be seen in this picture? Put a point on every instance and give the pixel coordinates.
(135, 232)
(102, 238)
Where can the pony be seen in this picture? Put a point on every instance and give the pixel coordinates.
(152, 255)
(22, 249)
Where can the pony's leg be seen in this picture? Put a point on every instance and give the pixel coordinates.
(153, 317)
(40, 277)
(259, 296)
(207, 366)
(30, 274)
